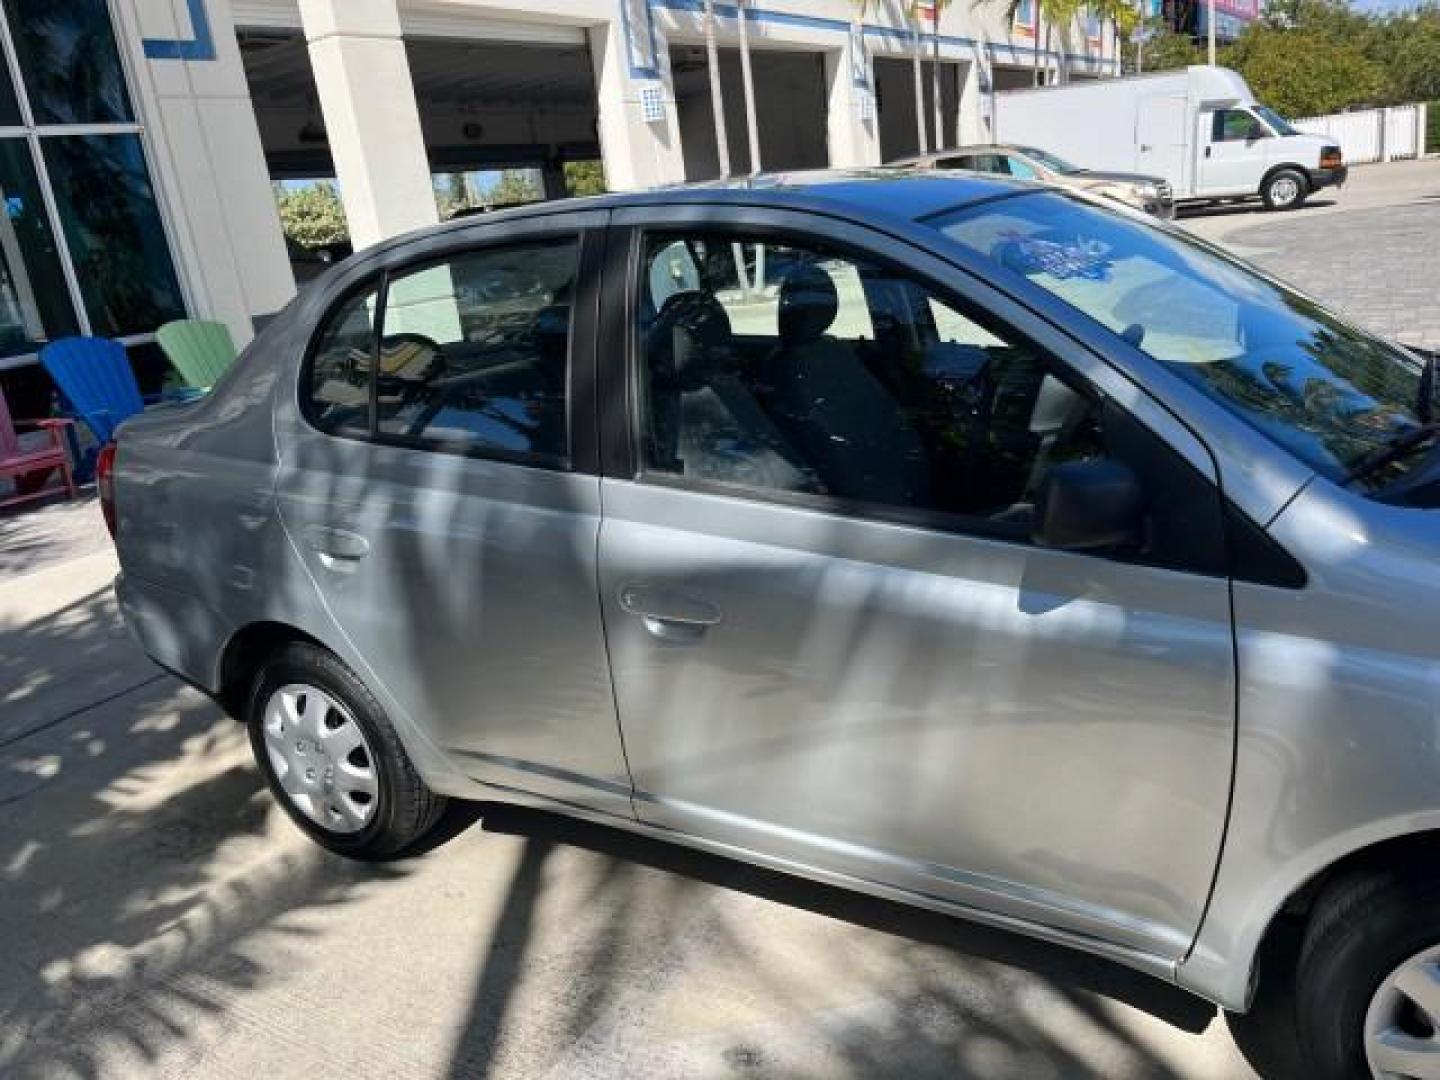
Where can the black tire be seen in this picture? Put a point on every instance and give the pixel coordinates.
(1361, 930)
(1285, 189)
(405, 809)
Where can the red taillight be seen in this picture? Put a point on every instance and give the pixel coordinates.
(105, 484)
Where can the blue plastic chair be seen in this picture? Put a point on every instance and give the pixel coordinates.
(94, 377)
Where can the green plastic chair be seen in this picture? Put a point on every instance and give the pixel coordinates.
(200, 351)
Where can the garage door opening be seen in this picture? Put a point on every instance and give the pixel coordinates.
(504, 122)
(895, 105)
(790, 103)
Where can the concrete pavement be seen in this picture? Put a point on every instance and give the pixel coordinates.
(1371, 250)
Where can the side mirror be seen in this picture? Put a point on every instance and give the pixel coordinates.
(1255, 132)
(1088, 506)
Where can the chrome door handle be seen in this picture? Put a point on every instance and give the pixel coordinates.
(669, 614)
(338, 548)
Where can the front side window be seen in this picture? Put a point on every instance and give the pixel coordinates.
(1234, 125)
(775, 366)
(474, 352)
(1019, 167)
(1331, 394)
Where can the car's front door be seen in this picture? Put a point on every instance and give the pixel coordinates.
(439, 488)
(1232, 159)
(831, 637)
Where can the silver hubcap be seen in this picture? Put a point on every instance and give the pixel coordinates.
(1402, 1026)
(1284, 190)
(321, 758)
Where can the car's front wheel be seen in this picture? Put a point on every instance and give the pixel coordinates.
(332, 758)
(1368, 984)
(1285, 189)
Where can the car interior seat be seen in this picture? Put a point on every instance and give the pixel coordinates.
(843, 421)
(706, 422)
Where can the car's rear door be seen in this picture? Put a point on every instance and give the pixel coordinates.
(439, 488)
(913, 698)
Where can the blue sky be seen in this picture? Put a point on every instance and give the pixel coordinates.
(1382, 5)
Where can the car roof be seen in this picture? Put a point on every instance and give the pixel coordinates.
(898, 195)
(952, 151)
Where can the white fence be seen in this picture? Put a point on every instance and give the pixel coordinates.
(1372, 134)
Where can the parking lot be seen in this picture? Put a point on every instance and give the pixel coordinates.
(159, 916)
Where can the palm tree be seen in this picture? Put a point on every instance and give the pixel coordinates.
(752, 124)
(717, 100)
(1046, 12)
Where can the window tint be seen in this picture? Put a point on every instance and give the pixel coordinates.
(1232, 125)
(829, 376)
(340, 366)
(475, 350)
(1020, 168)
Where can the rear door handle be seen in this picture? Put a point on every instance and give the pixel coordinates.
(338, 549)
(669, 614)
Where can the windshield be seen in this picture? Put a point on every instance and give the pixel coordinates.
(1049, 160)
(1275, 120)
(1327, 392)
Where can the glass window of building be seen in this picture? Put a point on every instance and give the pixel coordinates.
(113, 227)
(69, 61)
(83, 246)
(34, 298)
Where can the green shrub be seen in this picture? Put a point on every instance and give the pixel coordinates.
(1432, 128)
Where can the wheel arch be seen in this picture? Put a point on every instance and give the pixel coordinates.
(1230, 977)
(245, 651)
(1286, 166)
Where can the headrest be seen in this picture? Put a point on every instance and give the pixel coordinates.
(808, 305)
(690, 337)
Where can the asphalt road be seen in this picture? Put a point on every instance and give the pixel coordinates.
(160, 918)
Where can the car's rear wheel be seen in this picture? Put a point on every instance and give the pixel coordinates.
(332, 758)
(1285, 189)
(1367, 992)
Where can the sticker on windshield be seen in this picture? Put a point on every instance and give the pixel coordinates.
(1069, 258)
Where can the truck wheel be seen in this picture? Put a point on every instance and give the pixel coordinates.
(1367, 988)
(332, 759)
(1285, 189)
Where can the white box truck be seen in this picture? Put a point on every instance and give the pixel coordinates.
(1200, 128)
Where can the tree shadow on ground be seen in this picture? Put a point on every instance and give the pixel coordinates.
(132, 903)
(958, 999)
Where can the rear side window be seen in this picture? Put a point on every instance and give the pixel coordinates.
(339, 398)
(474, 352)
(469, 355)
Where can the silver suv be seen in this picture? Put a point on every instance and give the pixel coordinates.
(948, 537)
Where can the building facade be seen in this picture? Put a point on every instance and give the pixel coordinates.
(142, 141)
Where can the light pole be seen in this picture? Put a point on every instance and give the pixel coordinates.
(1210, 10)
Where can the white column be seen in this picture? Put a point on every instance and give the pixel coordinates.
(973, 115)
(638, 153)
(368, 100)
(853, 127)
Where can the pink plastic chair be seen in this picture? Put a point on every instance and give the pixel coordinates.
(30, 468)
